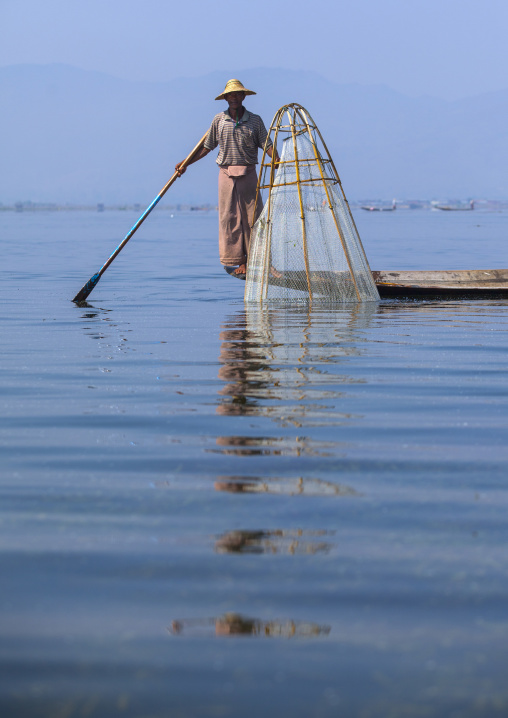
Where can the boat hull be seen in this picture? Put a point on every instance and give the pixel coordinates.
(443, 284)
(418, 284)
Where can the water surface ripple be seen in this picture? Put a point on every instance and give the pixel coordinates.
(209, 509)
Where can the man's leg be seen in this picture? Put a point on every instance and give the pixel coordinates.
(231, 233)
(246, 188)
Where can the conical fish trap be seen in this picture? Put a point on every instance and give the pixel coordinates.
(305, 245)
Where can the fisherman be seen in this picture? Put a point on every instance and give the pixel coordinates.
(238, 133)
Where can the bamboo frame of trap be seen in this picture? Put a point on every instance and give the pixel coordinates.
(300, 122)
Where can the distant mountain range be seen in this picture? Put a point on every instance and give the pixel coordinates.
(69, 135)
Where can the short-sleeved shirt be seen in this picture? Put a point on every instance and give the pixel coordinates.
(238, 141)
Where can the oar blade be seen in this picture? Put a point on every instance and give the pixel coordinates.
(87, 289)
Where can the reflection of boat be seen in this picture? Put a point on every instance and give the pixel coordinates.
(446, 284)
(376, 208)
(455, 208)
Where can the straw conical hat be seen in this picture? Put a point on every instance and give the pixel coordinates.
(234, 86)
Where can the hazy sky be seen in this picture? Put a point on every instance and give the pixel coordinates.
(445, 48)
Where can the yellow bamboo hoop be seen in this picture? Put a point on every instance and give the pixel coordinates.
(302, 215)
(299, 121)
(330, 205)
(343, 195)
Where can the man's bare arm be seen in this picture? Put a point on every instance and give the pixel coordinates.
(199, 156)
(269, 152)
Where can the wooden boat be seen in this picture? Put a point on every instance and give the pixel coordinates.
(443, 284)
(412, 284)
(375, 208)
(454, 208)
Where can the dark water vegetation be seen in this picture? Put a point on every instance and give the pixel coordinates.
(209, 509)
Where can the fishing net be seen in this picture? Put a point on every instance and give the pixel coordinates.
(305, 245)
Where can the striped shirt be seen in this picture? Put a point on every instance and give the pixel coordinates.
(238, 141)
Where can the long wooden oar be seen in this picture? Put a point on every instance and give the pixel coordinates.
(89, 286)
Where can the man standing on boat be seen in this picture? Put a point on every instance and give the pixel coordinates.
(239, 134)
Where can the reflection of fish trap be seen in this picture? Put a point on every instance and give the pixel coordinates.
(305, 245)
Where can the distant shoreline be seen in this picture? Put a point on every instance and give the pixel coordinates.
(99, 207)
(28, 206)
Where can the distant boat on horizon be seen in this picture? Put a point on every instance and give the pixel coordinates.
(374, 208)
(455, 208)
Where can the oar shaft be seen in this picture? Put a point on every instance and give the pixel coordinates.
(88, 287)
(149, 209)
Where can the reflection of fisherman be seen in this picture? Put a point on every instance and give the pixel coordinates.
(234, 624)
(238, 133)
(242, 368)
(288, 541)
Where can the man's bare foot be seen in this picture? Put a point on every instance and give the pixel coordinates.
(242, 269)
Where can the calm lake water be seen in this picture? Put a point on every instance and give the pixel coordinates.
(213, 510)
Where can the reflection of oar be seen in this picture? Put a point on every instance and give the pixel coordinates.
(88, 288)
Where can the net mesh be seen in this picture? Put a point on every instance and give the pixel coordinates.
(305, 245)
